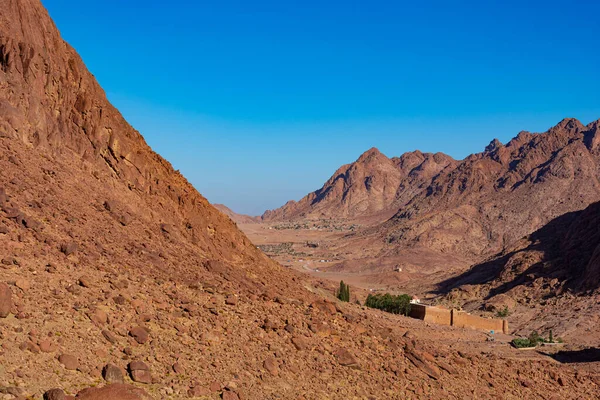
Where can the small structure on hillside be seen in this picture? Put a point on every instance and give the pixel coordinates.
(415, 300)
(460, 319)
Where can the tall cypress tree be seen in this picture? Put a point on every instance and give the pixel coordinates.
(343, 292)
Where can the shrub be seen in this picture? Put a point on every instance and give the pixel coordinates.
(343, 292)
(520, 343)
(387, 302)
(503, 313)
(535, 338)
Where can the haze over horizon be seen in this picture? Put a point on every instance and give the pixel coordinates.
(260, 103)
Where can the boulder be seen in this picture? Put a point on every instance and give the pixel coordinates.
(54, 394)
(139, 334)
(112, 374)
(69, 361)
(116, 391)
(270, 364)
(140, 372)
(500, 302)
(5, 300)
(69, 248)
(324, 306)
(345, 358)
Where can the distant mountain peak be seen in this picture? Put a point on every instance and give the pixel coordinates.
(494, 145)
(370, 154)
(568, 125)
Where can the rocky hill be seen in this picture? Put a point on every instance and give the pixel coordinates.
(563, 256)
(372, 186)
(120, 281)
(494, 198)
(550, 278)
(237, 218)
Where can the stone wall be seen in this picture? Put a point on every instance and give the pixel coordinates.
(435, 315)
(462, 319)
(457, 318)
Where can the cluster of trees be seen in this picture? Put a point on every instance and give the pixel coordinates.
(343, 292)
(533, 340)
(393, 304)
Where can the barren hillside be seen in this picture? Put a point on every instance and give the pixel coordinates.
(120, 281)
(372, 186)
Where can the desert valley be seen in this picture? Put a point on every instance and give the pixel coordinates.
(119, 280)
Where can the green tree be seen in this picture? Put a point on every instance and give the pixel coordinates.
(343, 292)
(535, 338)
(389, 303)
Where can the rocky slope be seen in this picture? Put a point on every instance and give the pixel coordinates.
(550, 279)
(496, 197)
(373, 185)
(118, 280)
(561, 256)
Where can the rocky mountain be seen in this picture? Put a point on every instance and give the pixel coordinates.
(430, 207)
(494, 198)
(373, 185)
(120, 281)
(237, 218)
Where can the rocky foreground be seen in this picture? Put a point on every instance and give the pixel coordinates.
(119, 281)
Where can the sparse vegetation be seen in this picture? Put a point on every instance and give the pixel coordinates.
(533, 340)
(343, 292)
(521, 343)
(393, 304)
(503, 313)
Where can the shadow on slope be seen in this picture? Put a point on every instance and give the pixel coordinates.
(577, 356)
(555, 251)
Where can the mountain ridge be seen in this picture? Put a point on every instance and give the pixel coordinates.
(367, 187)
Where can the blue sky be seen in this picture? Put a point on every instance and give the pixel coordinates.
(259, 102)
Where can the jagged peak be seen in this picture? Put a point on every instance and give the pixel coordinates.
(568, 124)
(493, 146)
(594, 125)
(521, 138)
(370, 154)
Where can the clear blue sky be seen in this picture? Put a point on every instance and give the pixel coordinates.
(259, 102)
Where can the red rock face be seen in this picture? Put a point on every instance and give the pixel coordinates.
(49, 101)
(564, 252)
(550, 278)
